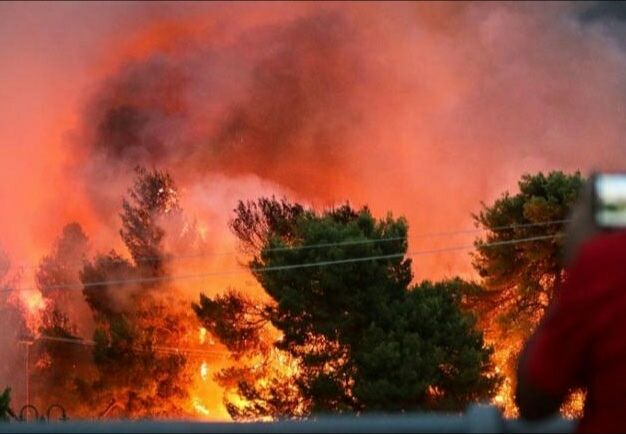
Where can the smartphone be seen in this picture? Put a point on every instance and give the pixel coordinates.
(609, 200)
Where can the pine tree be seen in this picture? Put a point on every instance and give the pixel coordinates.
(138, 316)
(520, 278)
(358, 335)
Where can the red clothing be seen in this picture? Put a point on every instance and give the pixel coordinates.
(582, 340)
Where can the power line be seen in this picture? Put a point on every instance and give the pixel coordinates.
(161, 349)
(280, 267)
(494, 229)
(343, 243)
(201, 352)
(368, 241)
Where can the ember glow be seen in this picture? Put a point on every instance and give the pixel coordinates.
(422, 109)
(31, 304)
(204, 371)
(202, 335)
(200, 408)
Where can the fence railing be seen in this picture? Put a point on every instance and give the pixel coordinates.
(478, 419)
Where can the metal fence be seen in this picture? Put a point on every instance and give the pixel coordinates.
(483, 419)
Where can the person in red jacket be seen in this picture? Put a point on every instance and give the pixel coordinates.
(581, 342)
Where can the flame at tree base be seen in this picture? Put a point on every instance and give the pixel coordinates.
(200, 408)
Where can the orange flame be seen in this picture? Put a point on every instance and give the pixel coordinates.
(200, 407)
(32, 305)
(204, 371)
(202, 335)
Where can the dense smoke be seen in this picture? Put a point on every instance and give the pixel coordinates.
(421, 109)
(394, 105)
(424, 110)
(282, 109)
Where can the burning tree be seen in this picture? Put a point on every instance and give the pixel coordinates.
(152, 201)
(57, 364)
(55, 272)
(519, 279)
(140, 320)
(353, 335)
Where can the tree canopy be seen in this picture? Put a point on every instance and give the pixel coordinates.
(137, 316)
(152, 199)
(519, 278)
(359, 335)
(55, 272)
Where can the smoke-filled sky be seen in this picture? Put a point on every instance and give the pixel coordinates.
(421, 109)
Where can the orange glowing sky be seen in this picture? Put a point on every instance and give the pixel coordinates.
(449, 104)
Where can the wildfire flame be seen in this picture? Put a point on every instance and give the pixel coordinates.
(204, 371)
(32, 305)
(200, 408)
(447, 97)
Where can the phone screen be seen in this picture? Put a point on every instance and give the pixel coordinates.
(610, 200)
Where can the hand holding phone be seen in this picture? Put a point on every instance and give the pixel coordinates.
(609, 200)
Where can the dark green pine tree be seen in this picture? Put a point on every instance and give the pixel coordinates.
(519, 278)
(363, 337)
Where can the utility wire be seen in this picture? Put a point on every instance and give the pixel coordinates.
(340, 243)
(194, 351)
(161, 349)
(280, 267)
(366, 241)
